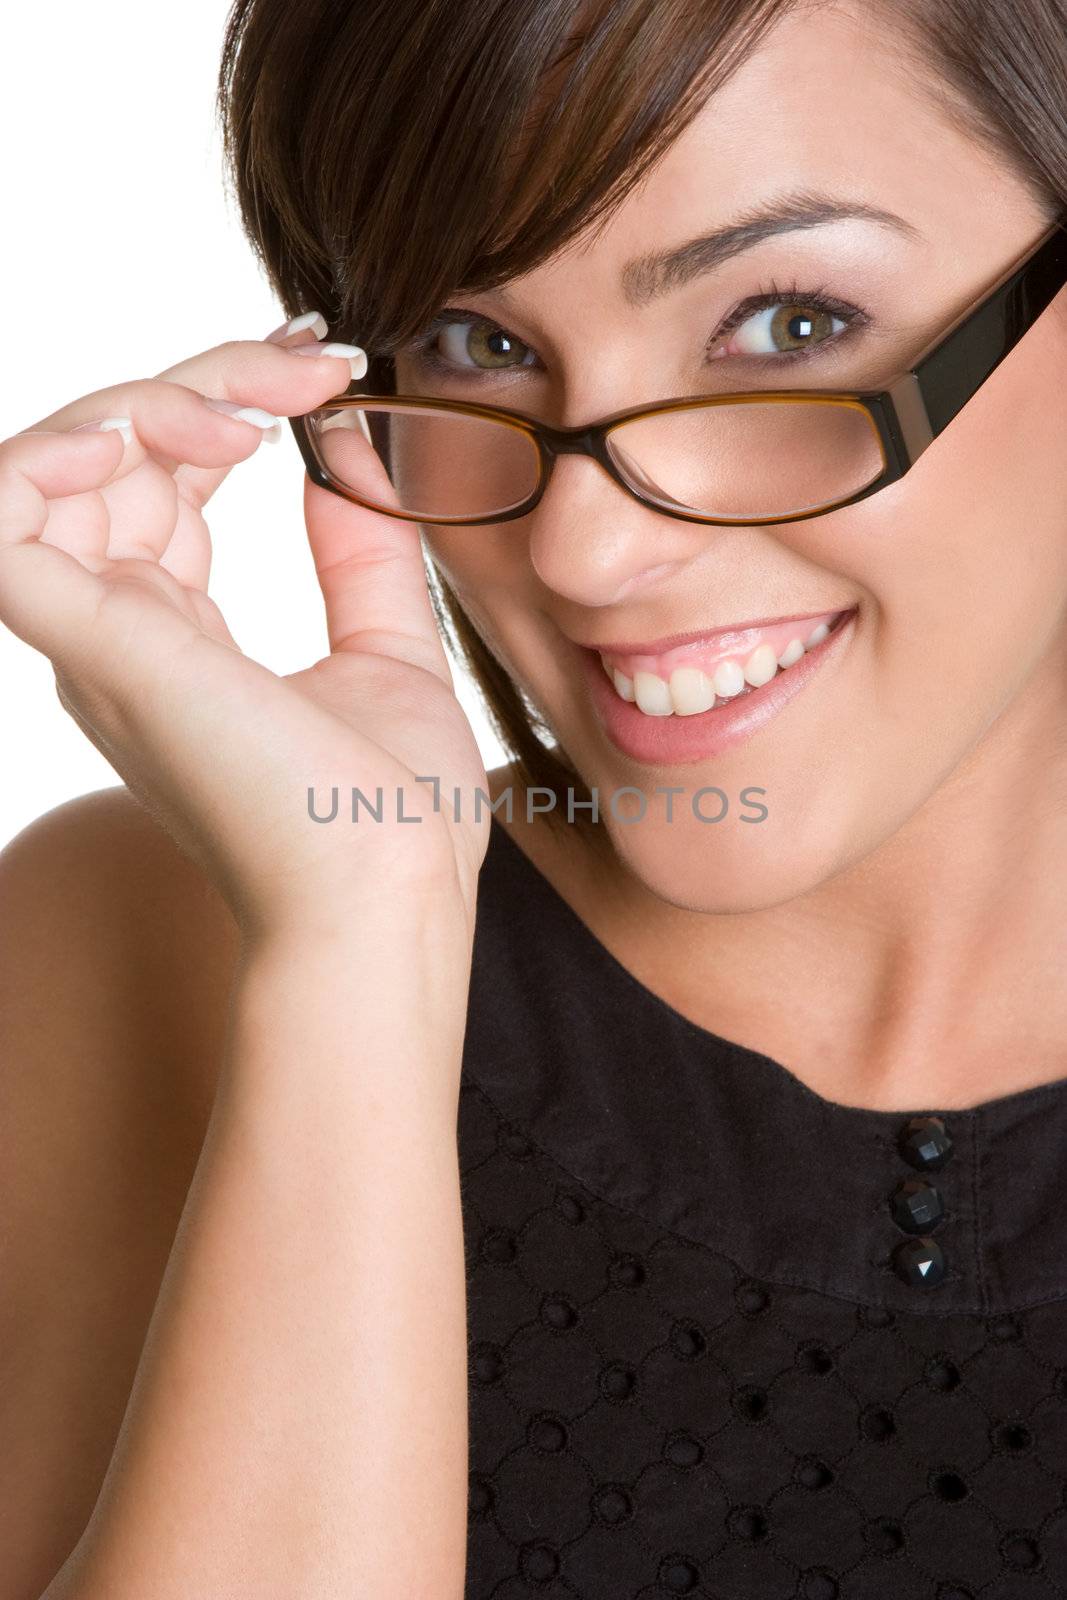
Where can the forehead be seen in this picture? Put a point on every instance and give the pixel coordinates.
(829, 97)
(828, 101)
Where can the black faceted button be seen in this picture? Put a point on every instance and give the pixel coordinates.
(916, 1205)
(924, 1143)
(920, 1262)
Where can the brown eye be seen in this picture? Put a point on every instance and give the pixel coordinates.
(792, 327)
(781, 328)
(482, 345)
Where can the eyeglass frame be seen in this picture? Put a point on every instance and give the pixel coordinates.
(906, 418)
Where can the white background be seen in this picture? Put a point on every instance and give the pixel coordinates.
(122, 255)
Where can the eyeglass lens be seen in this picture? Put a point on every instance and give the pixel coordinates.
(759, 458)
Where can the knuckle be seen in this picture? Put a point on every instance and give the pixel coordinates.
(120, 609)
(120, 596)
(235, 348)
(132, 595)
(13, 449)
(112, 401)
(233, 358)
(127, 570)
(242, 360)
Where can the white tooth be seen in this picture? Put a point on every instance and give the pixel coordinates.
(728, 679)
(691, 691)
(624, 686)
(604, 663)
(792, 652)
(817, 635)
(652, 694)
(761, 666)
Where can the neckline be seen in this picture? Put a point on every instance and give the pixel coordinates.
(725, 1147)
(717, 1044)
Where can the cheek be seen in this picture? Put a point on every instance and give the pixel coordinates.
(491, 576)
(964, 562)
(483, 565)
(488, 572)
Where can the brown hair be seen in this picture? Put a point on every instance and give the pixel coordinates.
(388, 155)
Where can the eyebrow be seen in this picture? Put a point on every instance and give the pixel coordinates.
(647, 277)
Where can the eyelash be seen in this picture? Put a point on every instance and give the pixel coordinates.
(420, 348)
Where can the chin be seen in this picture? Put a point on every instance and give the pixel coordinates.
(727, 866)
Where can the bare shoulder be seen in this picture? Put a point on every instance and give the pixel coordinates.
(116, 961)
(99, 911)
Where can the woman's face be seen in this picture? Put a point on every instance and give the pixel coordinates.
(955, 577)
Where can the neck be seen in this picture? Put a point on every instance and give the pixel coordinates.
(930, 973)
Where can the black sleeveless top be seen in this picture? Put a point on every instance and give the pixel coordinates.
(730, 1339)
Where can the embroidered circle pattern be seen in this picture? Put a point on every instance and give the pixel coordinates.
(646, 1420)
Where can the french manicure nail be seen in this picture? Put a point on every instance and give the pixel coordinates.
(356, 358)
(309, 319)
(121, 425)
(272, 430)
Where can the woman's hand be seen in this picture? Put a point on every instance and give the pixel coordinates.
(104, 560)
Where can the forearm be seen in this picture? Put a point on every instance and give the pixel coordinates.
(298, 1425)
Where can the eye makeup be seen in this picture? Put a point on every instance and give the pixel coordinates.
(421, 348)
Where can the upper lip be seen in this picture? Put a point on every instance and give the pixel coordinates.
(671, 641)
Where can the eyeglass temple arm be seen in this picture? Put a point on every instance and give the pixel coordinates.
(964, 358)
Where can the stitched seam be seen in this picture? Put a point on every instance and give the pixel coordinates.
(724, 1255)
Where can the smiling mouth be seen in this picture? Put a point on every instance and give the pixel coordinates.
(700, 677)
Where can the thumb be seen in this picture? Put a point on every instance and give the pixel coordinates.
(370, 566)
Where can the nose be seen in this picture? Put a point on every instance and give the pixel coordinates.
(593, 543)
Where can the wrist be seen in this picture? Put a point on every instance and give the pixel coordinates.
(355, 901)
(377, 1012)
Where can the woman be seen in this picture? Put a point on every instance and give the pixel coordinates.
(665, 1199)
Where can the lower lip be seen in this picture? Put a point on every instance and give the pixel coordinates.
(674, 740)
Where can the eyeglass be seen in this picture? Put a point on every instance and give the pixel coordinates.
(738, 458)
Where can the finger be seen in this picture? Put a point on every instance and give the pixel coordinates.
(139, 510)
(44, 591)
(134, 532)
(49, 597)
(136, 510)
(310, 325)
(140, 514)
(171, 421)
(370, 569)
(188, 555)
(266, 375)
(303, 334)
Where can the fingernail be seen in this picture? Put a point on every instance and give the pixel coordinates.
(121, 425)
(309, 319)
(272, 429)
(356, 358)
